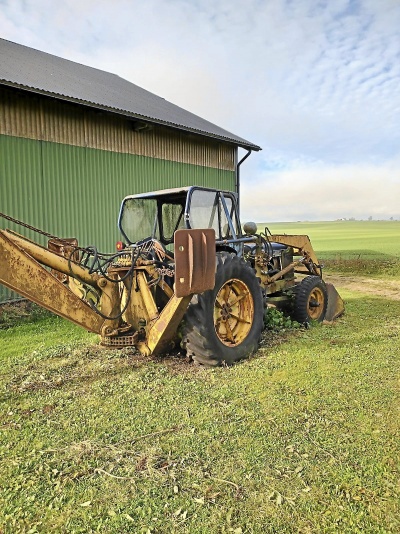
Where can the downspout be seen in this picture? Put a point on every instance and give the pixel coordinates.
(238, 176)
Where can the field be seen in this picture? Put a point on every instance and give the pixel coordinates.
(347, 238)
(364, 247)
(303, 437)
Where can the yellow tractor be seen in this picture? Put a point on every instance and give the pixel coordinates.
(185, 272)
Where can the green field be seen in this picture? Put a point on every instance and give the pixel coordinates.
(303, 437)
(370, 239)
(370, 248)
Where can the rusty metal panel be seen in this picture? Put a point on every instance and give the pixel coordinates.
(33, 117)
(66, 248)
(194, 252)
(19, 271)
(61, 123)
(19, 115)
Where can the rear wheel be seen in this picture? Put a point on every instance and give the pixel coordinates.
(311, 300)
(223, 325)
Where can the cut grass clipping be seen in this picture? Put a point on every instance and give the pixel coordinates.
(303, 437)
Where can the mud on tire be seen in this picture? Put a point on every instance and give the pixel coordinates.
(224, 324)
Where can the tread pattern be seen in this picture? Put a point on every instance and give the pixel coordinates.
(199, 337)
(302, 294)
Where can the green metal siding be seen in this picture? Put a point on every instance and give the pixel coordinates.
(72, 191)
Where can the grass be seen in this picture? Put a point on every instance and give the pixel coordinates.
(303, 437)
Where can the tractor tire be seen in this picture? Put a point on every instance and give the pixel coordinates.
(224, 324)
(310, 300)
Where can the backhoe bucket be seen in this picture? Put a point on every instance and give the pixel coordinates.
(335, 306)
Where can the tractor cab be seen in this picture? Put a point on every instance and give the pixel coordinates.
(157, 215)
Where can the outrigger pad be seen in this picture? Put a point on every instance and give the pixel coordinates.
(335, 306)
(194, 252)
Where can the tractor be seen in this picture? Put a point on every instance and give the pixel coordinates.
(185, 271)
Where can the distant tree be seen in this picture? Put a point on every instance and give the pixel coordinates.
(391, 219)
(370, 218)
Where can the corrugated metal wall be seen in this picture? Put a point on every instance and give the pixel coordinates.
(76, 192)
(53, 178)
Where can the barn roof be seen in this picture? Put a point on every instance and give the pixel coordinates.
(39, 72)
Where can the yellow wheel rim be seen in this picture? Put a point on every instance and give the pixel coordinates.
(233, 312)
(315, 304)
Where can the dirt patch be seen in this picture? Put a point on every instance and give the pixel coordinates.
(372, 286)
(20, 311)
(19, 308)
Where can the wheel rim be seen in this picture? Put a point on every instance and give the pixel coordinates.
(315, 304)
(233, 312)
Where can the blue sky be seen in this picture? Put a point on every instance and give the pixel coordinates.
(315, 83)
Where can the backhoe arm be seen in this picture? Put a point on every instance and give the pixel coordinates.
(21, 270)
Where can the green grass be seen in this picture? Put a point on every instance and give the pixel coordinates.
(304, 437)
(364, 247)
(373, 238)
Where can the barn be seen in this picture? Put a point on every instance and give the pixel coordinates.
(74, 140)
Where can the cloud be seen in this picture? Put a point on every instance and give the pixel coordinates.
(320, 192)
(314, 83)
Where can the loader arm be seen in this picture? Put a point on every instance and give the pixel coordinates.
(310, 264)
(303, 245)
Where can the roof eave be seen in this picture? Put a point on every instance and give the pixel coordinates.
(242, 143)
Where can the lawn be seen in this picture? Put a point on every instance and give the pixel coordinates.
(303, 437)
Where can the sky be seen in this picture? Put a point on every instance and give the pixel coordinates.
(315, 83)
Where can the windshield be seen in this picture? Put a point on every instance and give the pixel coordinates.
(207, 211)
(204, 210)
(159, 217)
(172, 220)
(139, 219)
(149, 217)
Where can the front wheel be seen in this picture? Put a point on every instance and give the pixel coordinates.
(223, 325)
(310, 300)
